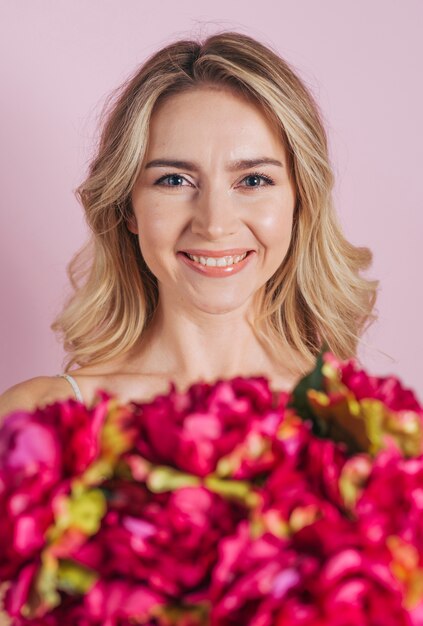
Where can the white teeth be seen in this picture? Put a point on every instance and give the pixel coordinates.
(218, 261)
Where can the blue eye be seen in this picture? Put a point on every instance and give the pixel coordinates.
(258, 177)
(172, 177)
(255, 178)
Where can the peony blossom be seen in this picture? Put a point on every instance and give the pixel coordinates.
(193, 430)
(168, 541)
(325, 574)
(222, 505)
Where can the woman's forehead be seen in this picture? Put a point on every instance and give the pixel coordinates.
(208, 119)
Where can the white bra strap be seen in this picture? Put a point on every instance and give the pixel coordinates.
(74, 385)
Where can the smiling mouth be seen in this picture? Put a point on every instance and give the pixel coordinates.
(220, 261)
(216, 267)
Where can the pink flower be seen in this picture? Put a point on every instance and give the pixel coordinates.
(325, 574)
(305, 482)
(193, 430)
(366, 413)
(40, 453)
(352, 585)
(29, 471)
(387, 389)
(218, 506)
(168, 540)
(18, 592)
(245, 574)
(54, 443)
(117, 602)
(109, 603)
(392, 502)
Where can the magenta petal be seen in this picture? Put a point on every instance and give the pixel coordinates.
(27, 444)
(28, 534)
(138, 527)
(17, 594)
(344, 563)
(284, 581)
(108, 601)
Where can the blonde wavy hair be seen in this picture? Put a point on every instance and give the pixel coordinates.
(317, 294)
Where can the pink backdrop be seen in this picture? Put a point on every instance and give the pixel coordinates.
(60, 59)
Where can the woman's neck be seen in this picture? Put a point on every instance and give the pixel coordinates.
(187, 348)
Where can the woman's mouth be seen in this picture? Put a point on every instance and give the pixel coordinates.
(217, 266)
(221, 261)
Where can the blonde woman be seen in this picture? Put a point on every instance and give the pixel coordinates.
(215, 249)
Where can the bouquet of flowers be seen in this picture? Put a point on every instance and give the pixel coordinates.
(220, 506)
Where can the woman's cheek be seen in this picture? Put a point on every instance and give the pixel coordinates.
(275, 227)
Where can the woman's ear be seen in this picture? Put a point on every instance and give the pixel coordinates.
(131, 220)
(131, 224)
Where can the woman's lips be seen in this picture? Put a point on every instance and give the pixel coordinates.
(206, 270)
(217, 253)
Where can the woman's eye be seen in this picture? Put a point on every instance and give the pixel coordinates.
(174, 180)
(254, 180)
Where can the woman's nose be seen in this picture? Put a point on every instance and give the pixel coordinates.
(215, 215)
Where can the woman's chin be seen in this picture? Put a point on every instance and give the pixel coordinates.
(218, 305)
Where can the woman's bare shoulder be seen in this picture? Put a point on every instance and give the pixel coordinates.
(33, 393)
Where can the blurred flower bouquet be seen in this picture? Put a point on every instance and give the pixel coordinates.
(221, 506)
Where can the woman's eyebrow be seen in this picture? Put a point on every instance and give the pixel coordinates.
(233, 166)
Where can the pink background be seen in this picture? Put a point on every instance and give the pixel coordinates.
(59, 60)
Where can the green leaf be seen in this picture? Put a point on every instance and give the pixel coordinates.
(75, 578)
(241, 490)
(299, 400)
(163, 478)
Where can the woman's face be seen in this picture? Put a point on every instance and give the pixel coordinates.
(214, 182)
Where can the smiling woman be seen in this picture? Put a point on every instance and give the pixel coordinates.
(215, 248)
(220, 218)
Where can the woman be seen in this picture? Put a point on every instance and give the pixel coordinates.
(215, 249)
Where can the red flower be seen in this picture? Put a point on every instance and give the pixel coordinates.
(193, 430)
(352, 583)
(120, 602)
(316, 463)
(110, 603)
(387, 389)
(217, 506)
(324, 575)
(40, 453)
(168, 541)
(392, 502)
